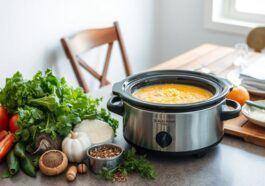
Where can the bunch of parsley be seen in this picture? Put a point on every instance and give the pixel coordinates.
(47, 104)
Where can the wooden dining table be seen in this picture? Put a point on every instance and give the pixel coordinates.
(232, 162)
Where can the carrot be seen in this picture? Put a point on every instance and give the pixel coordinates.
(3, 134)
(6, 144)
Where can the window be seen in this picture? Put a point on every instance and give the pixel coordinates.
(245, 10)
(251, 7)
(237, 16)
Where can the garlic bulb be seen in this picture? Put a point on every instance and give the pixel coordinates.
(75, 146)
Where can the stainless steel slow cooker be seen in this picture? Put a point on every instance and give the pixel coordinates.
(173, 128)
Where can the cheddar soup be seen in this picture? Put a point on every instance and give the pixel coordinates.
(172, 94)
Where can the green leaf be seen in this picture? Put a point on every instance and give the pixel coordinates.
(106, 173)
(50, 102)
(25, 135)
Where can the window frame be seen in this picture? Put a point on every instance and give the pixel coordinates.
(230, 11)
(221, 15)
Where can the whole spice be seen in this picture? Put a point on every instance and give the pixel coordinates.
(104, 152)
(81, 168)
(19, 150)
(28, 167)
(52, 159)
(71, 173)
(53, 162)
(118, 177)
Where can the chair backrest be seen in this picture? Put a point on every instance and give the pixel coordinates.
(87, 40)
(256, 39)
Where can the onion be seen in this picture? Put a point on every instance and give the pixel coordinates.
(97, 131)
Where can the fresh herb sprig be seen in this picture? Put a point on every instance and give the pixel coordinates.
(132, 163)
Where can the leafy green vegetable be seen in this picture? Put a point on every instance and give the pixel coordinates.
(50, 102)
(46, 104)
(132, 163)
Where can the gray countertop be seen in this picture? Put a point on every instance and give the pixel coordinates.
(232, 162)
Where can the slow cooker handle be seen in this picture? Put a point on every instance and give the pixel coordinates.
(115, 105)
(230, 114)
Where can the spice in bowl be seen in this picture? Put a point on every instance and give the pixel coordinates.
(53, 162)
(104, 156)
(105, 152)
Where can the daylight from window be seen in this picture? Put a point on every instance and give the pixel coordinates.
(250, 6)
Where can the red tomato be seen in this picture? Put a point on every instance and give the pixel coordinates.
(13, 123)
(3, 118)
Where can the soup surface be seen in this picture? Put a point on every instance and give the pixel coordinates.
(172, 94)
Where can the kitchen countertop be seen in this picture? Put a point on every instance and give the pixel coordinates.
(232, 162)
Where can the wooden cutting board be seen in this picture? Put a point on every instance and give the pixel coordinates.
(243, 128)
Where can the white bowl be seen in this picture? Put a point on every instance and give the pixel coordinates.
(246, 110)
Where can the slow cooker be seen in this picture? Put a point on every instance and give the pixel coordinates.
(173, 128)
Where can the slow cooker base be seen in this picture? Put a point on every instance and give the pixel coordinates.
(198, 153)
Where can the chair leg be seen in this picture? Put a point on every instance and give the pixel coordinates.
(123, 51)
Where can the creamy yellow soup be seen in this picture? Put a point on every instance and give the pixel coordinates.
(172, 94)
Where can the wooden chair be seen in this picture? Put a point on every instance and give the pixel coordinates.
(256, 39)
(87, 40)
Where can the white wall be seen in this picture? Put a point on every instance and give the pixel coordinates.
(30, 32)
(180, 28)
(154, 31)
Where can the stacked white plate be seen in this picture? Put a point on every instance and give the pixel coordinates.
(253, 77)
